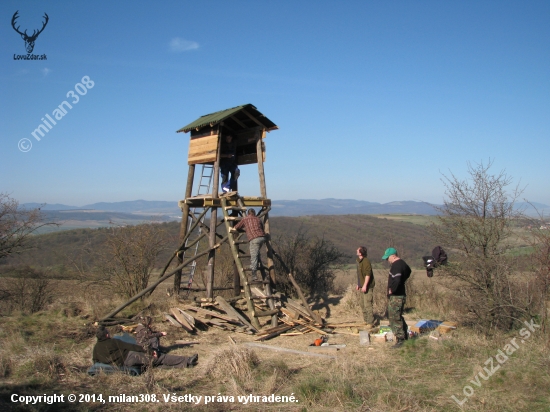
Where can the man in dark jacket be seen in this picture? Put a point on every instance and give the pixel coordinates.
(399, 273)
(146, 336)
(119, 353)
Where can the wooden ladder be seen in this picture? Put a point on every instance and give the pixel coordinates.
(193, 241)
(234, 242)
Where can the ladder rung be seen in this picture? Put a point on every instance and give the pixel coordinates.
(245, 255)
(233, 218)
(240, 209)
(240, 242)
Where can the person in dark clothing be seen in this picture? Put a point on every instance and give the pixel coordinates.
(119, 353)
(397, 277)
(146, 336)
(228, 164)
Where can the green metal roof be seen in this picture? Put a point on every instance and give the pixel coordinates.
(246, 115)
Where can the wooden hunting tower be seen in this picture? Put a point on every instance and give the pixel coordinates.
(248, 127)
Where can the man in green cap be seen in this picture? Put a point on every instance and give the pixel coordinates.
(399, 273)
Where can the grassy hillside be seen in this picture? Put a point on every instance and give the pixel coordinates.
(59, 250)
(348, 232)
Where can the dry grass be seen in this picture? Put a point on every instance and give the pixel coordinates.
(238, 363)
(49, 352)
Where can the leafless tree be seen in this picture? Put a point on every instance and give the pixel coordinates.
(129, 256)
(17, 225)
(475, 225)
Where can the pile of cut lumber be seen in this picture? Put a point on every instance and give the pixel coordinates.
(293, 317)
(218, 313)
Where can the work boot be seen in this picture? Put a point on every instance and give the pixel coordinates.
(398, 344)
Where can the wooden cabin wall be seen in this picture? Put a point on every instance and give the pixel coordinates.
(203, 145)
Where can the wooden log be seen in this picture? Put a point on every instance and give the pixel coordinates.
(213, 222)
(297, 352)
(183, 226)
(260, 155)
(232, 312)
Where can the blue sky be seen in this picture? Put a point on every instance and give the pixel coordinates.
(374, 100)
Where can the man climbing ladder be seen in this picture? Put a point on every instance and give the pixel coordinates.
(255, 233)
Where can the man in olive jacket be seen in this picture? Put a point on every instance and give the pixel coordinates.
(117, 352)
(365, 284)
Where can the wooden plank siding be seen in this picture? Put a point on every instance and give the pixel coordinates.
(202, 150)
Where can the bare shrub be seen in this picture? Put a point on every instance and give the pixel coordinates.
(17, 225)
(129, 257)
(476, 226)
(312, 261)
(29, 291)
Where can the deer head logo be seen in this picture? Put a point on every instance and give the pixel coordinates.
(29, 40)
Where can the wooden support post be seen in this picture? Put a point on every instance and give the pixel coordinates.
(184, 223)
(316, 317)
(213, 222)
(263, 191)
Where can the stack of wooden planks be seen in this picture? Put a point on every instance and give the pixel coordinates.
(219, 314)
(294, 318)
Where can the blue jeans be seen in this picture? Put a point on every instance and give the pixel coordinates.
(255, 248)
(225, 169)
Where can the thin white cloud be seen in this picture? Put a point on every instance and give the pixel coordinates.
(178, 45)
(45, 71)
